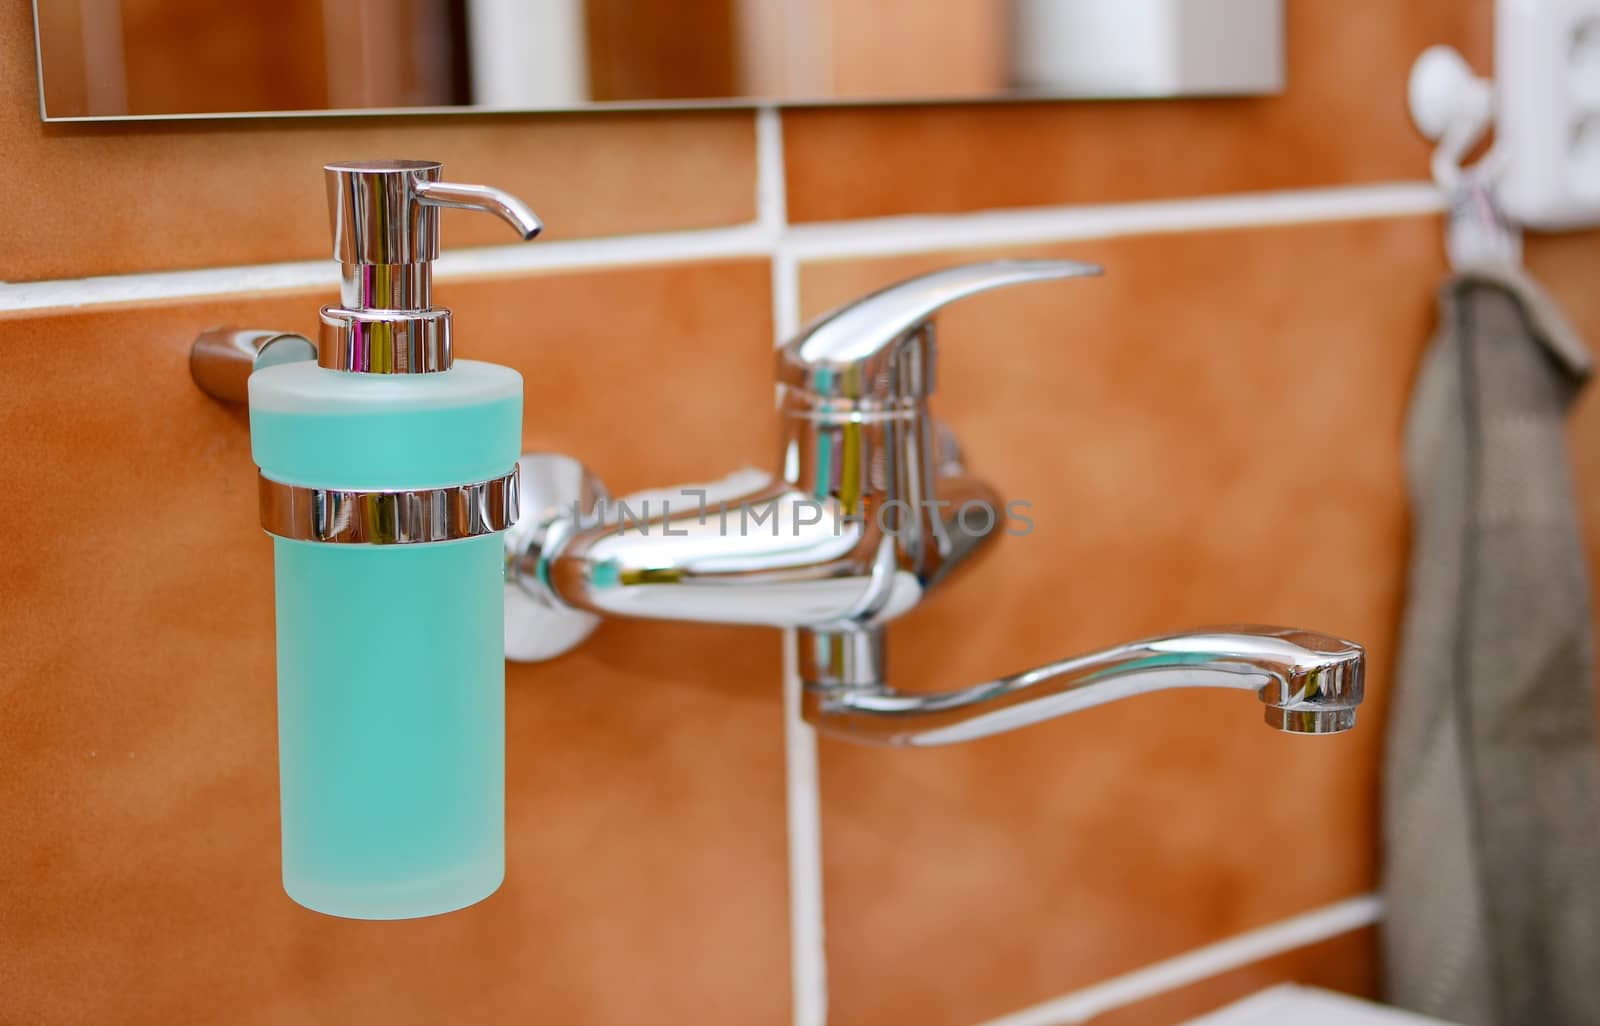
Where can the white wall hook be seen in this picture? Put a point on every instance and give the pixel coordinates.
(1452, 106)
(1455, 107)
(1543, 105)
(1443, 90)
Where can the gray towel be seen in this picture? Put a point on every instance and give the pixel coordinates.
(1491, 797)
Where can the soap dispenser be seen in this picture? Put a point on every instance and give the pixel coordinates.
(387, 473)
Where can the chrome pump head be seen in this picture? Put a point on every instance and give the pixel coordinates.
(385, 220)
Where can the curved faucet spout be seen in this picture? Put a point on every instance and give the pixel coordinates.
(1310, 683)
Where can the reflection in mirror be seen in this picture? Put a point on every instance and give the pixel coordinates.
(121, 58)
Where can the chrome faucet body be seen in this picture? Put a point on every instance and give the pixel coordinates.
(872, 507)
(866, 513)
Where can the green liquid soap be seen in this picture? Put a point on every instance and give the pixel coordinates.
(391, 671)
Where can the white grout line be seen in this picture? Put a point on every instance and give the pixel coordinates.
(808, 963)
(769, 236)
(140, 288)
(663, 247)
(745, 240)
(772, 190)
(808, 957)
(899, 235)
(785, 295)
(1201, 963)
(773, 215)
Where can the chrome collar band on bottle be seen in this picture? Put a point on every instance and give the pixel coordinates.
(389, 517)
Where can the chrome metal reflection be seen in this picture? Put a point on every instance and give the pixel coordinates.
(387, 211)
(221, 360)
(880, 348)
(556, 493)
(461, 196)
(1310, 683)
(401, 517)
(867, 514)
(385, 217)
(379, 342)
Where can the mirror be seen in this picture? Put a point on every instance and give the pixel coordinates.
(102, 59)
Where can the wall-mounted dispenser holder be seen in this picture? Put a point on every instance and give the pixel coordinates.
(388, 471)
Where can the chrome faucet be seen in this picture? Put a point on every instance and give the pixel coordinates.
(872, 507)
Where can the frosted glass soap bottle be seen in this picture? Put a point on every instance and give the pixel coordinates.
(388, 469)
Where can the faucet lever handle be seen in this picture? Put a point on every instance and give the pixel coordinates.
(879, 348)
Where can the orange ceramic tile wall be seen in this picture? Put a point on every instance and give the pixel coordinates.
(1175, 475)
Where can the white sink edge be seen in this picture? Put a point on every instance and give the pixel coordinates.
(1309, 1006)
